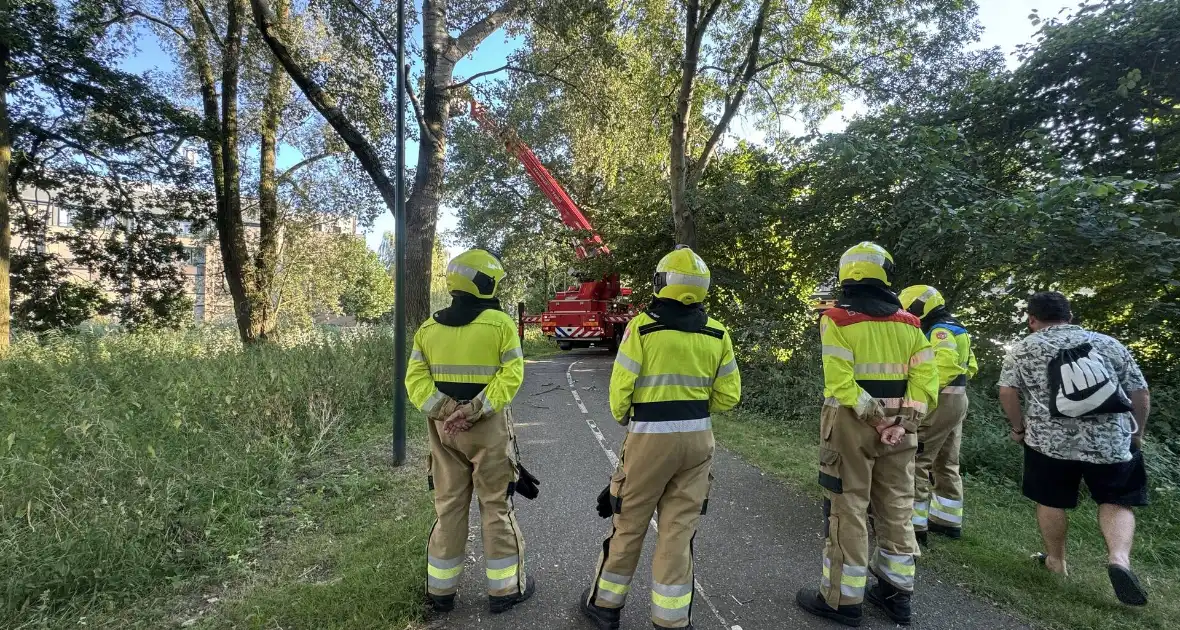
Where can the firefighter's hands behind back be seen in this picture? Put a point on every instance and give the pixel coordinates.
(875, 414)
(892, 436)
(463, 417)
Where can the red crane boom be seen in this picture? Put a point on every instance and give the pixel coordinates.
(571, 216)
(587, 313)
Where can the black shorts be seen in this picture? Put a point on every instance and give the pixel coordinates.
(1055, 482)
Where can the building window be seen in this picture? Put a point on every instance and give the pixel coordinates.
(184, 228)
(193, 256)
(64, 216)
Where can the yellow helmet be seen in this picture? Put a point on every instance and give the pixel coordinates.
(475, 271)
(921, 299)
(866, 262)
(682, 276)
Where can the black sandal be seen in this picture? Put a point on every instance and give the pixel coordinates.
(1126, 585)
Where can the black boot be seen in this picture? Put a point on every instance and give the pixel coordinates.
(811, 601)
(922, 536)
(946, 530)
(603, 618)
(441, 603)
(506, 602)
(895, 602)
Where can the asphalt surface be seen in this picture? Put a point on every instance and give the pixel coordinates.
(760, 542)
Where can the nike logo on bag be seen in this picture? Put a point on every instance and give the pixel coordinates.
(1094, 397)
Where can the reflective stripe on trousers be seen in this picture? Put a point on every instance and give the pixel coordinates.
(670, 602)
(921, 514)
(613, 587)
(852, 579)
(947, 510)
(502, 572)
(443, 574)
(672, 426)
(898, 570)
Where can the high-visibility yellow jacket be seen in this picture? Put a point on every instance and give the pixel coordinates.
(481, 361)
(669, 380)
(882, 358)
(953, 355)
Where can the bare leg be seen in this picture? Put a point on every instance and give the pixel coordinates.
(1118, 527)
(1054, 524)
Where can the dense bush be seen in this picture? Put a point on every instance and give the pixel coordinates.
(790, 390)
(131, 461)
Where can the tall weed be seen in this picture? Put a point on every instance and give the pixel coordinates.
(132, 461)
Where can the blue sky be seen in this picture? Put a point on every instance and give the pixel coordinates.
(1005, 24)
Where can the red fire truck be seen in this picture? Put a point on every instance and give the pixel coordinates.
(589, 313)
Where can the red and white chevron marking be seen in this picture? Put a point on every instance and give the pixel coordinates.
(577, 332)
(531, 319)
(617, 319)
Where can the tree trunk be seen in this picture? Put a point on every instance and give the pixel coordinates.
(426, 193)
(264, 308)
(5, 219)
(231, 232)
(682, 217)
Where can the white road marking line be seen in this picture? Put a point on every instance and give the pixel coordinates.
(614, 461)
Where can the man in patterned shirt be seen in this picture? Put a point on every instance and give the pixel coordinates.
(1085, 410)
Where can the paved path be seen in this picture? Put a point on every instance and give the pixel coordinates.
(759, 543)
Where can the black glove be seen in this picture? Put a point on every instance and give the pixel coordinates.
(526, 484)
(605, 509)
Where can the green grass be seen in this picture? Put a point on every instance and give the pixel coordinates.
(537, 345)
(148, 480)
(780, 435)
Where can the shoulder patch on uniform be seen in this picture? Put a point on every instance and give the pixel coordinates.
(626, 333)
(941, 334)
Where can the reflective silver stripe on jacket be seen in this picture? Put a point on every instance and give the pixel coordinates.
(922, 356)
(465, 370)
(954, 389)
(672, 426)
(727, 369)
(431, 402)
(627, 363)
(880, 368)
(657, 380)
(515, 353)
(838, 352)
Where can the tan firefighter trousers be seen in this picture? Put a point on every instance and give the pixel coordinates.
(481, 459)
(855, 467)
(668, 471)
(938, 463)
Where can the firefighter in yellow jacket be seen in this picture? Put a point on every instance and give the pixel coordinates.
(941, 435)
(465, 368)
(675, 366)
(879, 383)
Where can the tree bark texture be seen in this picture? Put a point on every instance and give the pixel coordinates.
(441, 53)
(264, 307)
(5, 218)
(231, 231)
(682, 218)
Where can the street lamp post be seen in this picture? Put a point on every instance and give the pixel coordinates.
(399, 265)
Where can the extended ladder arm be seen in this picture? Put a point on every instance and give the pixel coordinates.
(571, 216)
